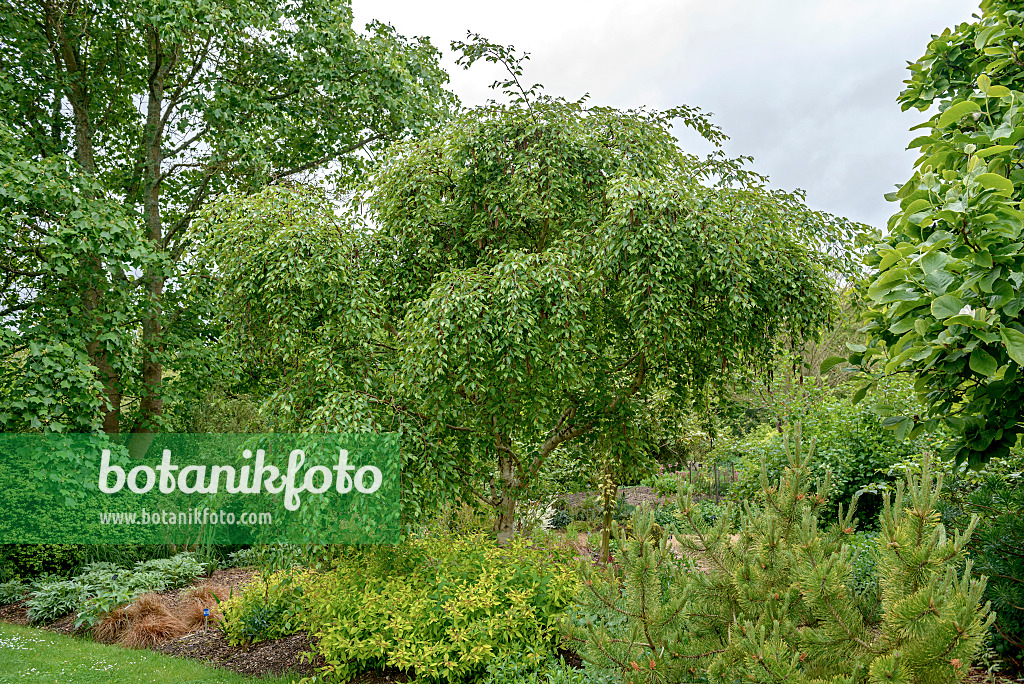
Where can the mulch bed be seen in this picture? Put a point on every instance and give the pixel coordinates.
(276, 657)
(14, 613)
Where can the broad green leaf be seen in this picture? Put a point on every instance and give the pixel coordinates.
(994, 181)
(946, 306)
(916, 206)
(933, 260)
(831, 362)
(956, 112)
(938, 281)
(889, 259)
(961, 319)
(982, 362)
(1014, 342)
(903, 428)
(995, 149)
(901, 326)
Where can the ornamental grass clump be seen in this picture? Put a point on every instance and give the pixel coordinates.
(778, 602)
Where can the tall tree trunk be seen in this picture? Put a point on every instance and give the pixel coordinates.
(66, 56)
(505, 521)
(161, 61)
(609, 497)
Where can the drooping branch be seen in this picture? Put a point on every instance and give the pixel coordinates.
(565, 431)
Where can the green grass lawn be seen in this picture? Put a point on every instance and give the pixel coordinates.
(33, 655)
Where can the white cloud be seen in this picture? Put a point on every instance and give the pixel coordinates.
(806, 87)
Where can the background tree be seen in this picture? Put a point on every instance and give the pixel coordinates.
(945, 289)
(163, 106)
(53, 220)
(536, 271)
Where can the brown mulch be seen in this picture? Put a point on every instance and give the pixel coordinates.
(276, 657)
(14, 613)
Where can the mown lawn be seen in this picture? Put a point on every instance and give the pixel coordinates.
(32, 655)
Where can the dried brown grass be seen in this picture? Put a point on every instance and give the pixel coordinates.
(108, 629)
(150, 623)
(192, 617)
(152, 630)
(208, 594)
(145, 605)
(198, 598)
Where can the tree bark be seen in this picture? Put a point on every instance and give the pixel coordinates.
(505, 522)
(161, 61)
(66, 57)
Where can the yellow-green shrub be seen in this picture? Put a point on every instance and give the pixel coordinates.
(269, 607)
(447, 610)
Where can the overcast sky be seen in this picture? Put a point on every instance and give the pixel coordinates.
(806, 87)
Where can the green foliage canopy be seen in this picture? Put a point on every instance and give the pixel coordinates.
(164, 106)
(530, 275)
(945, 291)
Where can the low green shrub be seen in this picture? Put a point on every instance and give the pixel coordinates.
(269, 607)
(447, 607)
(710, 512)
(244, 558)
(32, 560)
(864, 561)
(13, 591)
(560, 519)
(53, 600)
(853, 445)
(666, 515)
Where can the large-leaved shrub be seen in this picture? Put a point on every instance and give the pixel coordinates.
(854, 445)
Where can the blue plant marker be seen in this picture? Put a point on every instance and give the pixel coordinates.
(206, 612)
